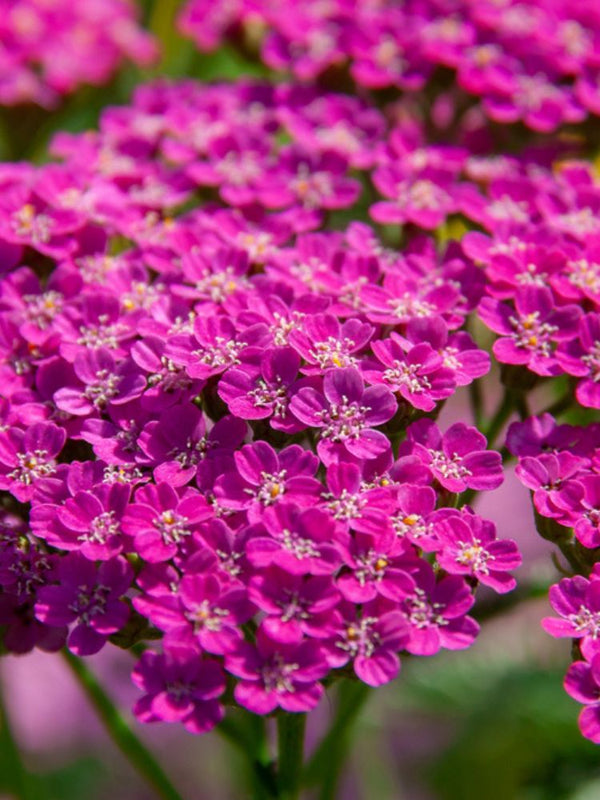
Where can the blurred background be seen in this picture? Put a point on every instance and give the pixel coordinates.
(492, 723)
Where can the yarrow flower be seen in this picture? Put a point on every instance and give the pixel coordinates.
(219, 435)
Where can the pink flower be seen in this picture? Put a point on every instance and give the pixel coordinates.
(345, 414)
(274, 675)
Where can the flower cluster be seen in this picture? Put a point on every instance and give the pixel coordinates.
(543, 277)
(533, 62)
(218, 427)
(574, 599)
(558, 463)
(48, 49)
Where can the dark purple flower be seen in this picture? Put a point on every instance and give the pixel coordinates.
(179, 686)
(88, 597)
(177, 444)
(274, 674)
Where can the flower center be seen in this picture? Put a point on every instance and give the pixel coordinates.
(32, 465)
(277, 675)
(343, 421)
(103, 389)
(171, 526)
(299, 547)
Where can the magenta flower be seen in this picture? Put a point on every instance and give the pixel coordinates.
(99, 383)
(579, 507)
(457, 350)
(264, 392)
(402, 297)
(536, 101)
(88, 597)
(214, 345)
(354, 503)
(28, 456)
(415, 516)
(273, 674)
(549, 477)
(168, 383)
(436, 612)
(264, 477)
(295, 606)
(581, 357)
(458, 458)
(309, 181)
(388, 56)
(468, 546)
(370, 640)
(529, 332)
(417, 374)
(90, 521)
(424, 199)
(179, 686)
(346, 413)
(206, 613)
(98, 323)
(325, 343)
(298, 541)
(228, 549)
(373, 566)
(582, 683)
(161, 522)
(577, 601)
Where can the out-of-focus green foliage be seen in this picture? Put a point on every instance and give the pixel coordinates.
(498, 730)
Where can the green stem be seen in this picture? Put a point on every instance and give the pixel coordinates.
(290, 748)
(247, 732)
(119, 731)
(500, 418)
(476, 400)
(325, 765)
(13, 769)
